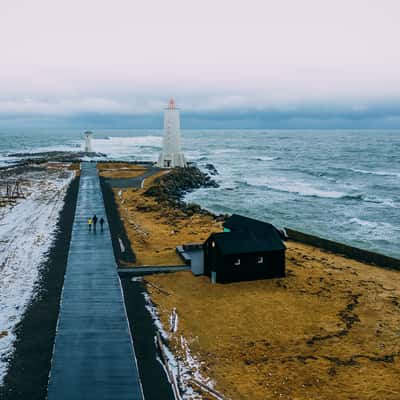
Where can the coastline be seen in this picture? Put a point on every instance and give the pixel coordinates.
(333, 295)
(323, 320)
(151, 218)
(29, 365)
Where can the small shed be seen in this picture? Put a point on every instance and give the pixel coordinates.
(247, 250)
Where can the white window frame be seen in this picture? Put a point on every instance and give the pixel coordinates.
(237, 262)
(260, 260)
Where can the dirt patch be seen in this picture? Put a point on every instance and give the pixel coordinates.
(329, 330)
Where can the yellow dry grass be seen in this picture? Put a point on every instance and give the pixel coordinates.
(330, 330)
(155, 230)
(150, 180)
(75, 166)
(120, 170)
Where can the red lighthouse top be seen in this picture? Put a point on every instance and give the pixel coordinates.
(171, 104)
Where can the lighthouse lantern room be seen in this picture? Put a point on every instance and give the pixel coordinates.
(171, 155)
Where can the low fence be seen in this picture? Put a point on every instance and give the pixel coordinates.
(348, 251)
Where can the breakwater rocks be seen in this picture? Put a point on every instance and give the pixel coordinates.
(212, 170)
(354, 253)
(170, 188)
(56, 156)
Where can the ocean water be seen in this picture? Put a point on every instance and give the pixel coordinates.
(343, 185)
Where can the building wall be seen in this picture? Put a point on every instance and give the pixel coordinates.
(349, 251)
(273, 265)
(212, 257)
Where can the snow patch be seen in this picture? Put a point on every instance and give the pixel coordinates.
(184, 367)
(27, 231)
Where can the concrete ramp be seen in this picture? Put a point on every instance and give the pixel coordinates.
(93, 354)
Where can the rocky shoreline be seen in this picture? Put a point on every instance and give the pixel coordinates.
(171, 188)
(54, 156)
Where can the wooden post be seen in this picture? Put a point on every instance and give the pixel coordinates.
(208, 389)
(171, 376)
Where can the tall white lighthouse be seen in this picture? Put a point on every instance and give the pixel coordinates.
(88, 142)
(171, 155)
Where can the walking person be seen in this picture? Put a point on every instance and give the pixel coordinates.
(94, 221)
(101, 223)
(90, 222)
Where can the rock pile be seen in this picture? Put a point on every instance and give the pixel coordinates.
(56, 156)
(170, 188)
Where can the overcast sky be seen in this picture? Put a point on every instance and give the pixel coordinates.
(126, 56)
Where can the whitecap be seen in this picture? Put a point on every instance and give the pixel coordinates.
(300, 188)
(224, 151)
(266, 158)
(378, 230)
(380, 173)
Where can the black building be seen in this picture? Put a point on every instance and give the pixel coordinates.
(247, 250)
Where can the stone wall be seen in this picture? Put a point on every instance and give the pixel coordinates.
(348, 251)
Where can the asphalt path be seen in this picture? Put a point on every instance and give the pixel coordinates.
(121, 183)
(93, 354)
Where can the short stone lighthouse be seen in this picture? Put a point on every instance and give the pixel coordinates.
(88, 142)
(171, 155)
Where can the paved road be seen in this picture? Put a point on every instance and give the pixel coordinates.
(93, 354)
(122, 183)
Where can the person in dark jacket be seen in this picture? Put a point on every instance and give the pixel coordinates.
(101, 223)
(94, 221)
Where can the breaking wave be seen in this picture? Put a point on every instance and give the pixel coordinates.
(266, 158)
(304, 189)
(379, 173)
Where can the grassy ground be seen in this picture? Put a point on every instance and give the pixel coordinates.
(120, 170)
(330, 330)
(154, 230)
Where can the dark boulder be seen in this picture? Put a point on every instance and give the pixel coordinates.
(171, 188)
(212, 170)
